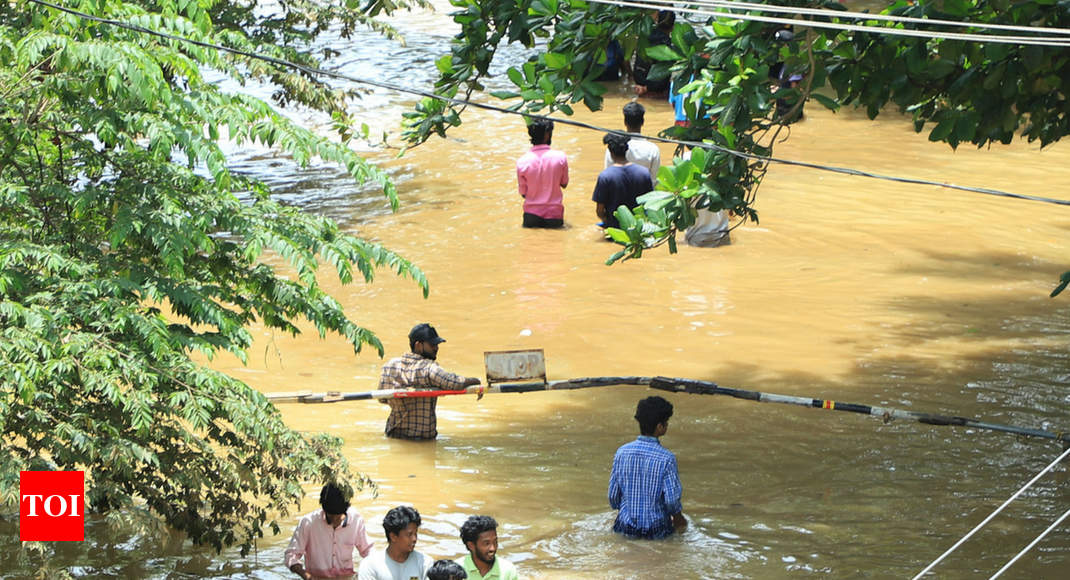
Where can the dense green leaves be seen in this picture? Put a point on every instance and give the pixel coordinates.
(128, 245)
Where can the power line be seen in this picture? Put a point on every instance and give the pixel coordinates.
(465, 102)
(850, 15)
(1037, 540)
(1023, 40)
(993, 514)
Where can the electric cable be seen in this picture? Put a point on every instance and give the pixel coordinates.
(315, 71)
(1022, 40)
(1054, 525)
(851, 15)
(993, 514)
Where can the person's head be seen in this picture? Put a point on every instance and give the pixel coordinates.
(617, 145)
(334, 503)
(666, 20)
(401, 525)
(653, 415)
(480, 537)
(446, 570)
(633, 117)
(424, 340)
(541, 131)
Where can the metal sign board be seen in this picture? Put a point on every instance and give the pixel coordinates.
(515, 366)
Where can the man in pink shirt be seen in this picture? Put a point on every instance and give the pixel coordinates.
(541, 174)
(326, 537)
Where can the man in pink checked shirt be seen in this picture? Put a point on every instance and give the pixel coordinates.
(541, 174)
(326, 537)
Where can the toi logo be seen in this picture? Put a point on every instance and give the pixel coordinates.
(51, 506)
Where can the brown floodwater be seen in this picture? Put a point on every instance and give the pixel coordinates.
(853, 289)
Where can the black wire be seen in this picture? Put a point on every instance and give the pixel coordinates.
(390, 86)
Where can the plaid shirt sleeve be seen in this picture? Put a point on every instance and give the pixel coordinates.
(441, 378)
(414, 418)
(671, 488)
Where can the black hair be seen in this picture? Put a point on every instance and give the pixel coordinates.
(617, 144)
(539, 130)
(633, 115)
(398, 519)
(333, 499)
(446, 570)
(666, 19)
(474, 526)
(651, 412)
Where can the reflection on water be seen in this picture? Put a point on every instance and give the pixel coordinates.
(850, 289)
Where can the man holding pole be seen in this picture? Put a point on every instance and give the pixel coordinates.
(644, 483)
(414, 417)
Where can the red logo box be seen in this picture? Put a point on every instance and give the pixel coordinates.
(52, 506)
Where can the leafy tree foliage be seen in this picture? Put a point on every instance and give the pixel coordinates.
(728, 70)
(118, 263)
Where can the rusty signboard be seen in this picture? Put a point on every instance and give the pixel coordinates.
(515, 366)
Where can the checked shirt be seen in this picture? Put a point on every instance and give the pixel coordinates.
(645, 486)
(415, 418)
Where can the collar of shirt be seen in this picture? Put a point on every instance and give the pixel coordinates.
(649, 439)
(469, 566)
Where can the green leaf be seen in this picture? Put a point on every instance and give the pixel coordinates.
(942, 130)
(1064, 280)
(515, 76)
(661, 52)
(445, 64)
(830, 104)
(556, 61)
(699, 157)
(625, 218)
(618, 235)
(616, 256)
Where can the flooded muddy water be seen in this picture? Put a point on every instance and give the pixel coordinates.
(851, 289)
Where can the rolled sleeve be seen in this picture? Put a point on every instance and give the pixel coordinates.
(295, 552)
(364, 545)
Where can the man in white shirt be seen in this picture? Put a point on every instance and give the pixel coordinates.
(400, 560)
(640, 151)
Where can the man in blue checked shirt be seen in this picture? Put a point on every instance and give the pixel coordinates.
(644, 483)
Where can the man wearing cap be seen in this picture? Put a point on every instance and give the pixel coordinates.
(326, 537)
(414, 417)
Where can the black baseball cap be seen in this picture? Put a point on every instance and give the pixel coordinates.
(424, 333)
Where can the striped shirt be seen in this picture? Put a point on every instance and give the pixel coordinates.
(645, 486)
(414, 418)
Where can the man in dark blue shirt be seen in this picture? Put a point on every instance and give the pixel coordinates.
(620, 183)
